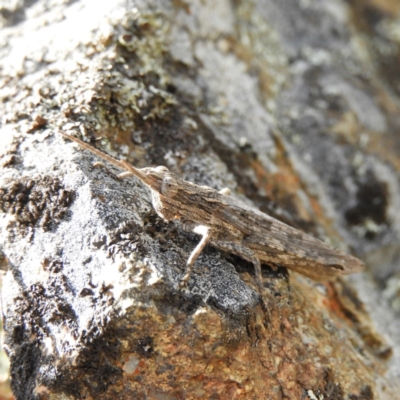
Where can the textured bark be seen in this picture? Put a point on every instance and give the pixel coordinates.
(292, 105)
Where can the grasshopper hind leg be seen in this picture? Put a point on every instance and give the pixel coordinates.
(248, 255)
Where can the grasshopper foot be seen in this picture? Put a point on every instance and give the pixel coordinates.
(183, 282)
(99, 164)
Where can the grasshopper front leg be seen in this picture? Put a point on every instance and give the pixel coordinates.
(99, 164)
(207, 234)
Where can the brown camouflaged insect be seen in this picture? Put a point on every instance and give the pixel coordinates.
(232, 226)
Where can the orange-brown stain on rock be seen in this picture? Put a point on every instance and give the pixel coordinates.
(304, 347)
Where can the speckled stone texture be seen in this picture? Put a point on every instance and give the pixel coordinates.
(293, 105)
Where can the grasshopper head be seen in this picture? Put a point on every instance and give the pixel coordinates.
(163, 185)
(160, 180)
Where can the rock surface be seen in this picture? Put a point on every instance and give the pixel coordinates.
(292, 105)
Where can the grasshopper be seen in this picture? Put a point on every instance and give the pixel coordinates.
(232, 226)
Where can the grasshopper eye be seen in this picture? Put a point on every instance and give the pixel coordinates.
(168, 187)
(161, 168)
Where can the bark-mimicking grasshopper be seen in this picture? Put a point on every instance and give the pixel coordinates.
(232, 226)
